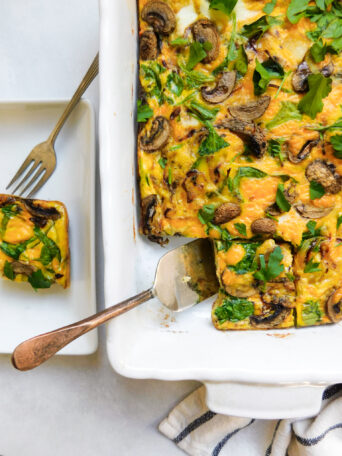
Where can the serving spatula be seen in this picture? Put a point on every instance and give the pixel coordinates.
(184, 277)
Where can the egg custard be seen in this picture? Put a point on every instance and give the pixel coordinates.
(240, 140)
(34, 243)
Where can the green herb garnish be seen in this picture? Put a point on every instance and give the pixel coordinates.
(316, 190)
(288, 111)
(319, 87)
(234, 309)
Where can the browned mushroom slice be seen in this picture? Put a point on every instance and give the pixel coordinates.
(205, 31)
(148, 210)
(193, 184)
(299, 146)
(226, 212)
(270, 320)
(328, 70)
(148, 45)
(160, 16)
(264, 226)
(312, 212)
(40, 215)
(300, 77)
(324, 173)
(333, 306)
(250, 133)
(251, 110)
(158, 135)
(222, 90)
(22, 268)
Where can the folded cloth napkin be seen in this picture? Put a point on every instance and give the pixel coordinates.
(200, 432)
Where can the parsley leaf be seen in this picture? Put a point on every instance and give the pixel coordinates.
(241, 228)
(318, 51)
(8, 271)
(316, 190)
(336, 142)
(288, 111)
(296, 10)
(144, 112)
(162, 162)
(311, 226)
(195, 79)
(311, 266)
(206, 214)
(247, 264)
(275, 149)
(256, 29)
(264, 73)
(175, 83)
(281, 200)
(37, 280)
(319, 88)
(152, 72)
(311, 312)
(179, 42)
(273, 268)
(234, 309)
(197, 53)
(226, 6)
(269, 7)
(212, 143)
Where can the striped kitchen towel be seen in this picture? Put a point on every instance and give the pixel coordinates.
(200, 432)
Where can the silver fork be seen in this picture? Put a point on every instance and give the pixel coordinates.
(42, 158)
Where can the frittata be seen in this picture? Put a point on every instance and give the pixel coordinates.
(240, 140)
(34, 244)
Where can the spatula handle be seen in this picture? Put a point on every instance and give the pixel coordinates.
(38, 349)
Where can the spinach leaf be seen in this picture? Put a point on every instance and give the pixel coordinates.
(336, 142)
(179, 42)
(212, 143)
(311, 312)
(144, 112)
(50, 250)
(316, 190)
(194, 79)
(288, 111)
(296, 10)
(273, 268)
(8, 271)
(318, 51)
(175, 83)
(311, 226)
(281, 200)
(234, 309)
(206, 214)
(162, 162)
(339, 221)
(241, 61)
(255, 30)
(245, 171)
(319, 88)
(269, 7)
(15, 250)
(201, 112)
(264, 73)
(231, 51)
(275, 149)
(197, 53)
(311, 266)
(241, 228)
(37, 280)
(247, 264)
(226, 6)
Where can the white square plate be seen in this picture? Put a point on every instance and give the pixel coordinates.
(24, 312)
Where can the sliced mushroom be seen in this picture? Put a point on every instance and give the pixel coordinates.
(40, 214)
(193, 184)
(250, 133)
(222, 90)
(148, 210)
(205, 31)
(304, 151)
(328, 70)
(160, 16)
(264, 226)
(281, 292)
(271, 320)
(148, 45)
(251, 110)
(300, 77)
(22, 268)
(334, 306)
(324, 173)
(226, 212)
(312, 212)
(158, 135)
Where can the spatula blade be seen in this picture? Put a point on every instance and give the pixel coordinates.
(186, 275)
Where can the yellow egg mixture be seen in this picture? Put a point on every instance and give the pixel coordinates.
(240, 140)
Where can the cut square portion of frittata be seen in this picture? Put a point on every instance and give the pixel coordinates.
(257, 288)
(34, 243)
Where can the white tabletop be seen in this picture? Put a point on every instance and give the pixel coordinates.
(72, 405)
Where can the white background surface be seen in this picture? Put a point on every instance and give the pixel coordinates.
(72, 405)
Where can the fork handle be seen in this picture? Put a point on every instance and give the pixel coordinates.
(38, 349)
(88, 78)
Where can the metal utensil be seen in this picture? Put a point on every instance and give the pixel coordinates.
(42, 158)
(184, 276)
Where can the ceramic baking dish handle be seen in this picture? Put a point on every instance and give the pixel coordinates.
(264, 401)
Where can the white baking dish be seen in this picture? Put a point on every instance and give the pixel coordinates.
(267, 374)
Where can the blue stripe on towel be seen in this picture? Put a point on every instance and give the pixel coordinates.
(269, 449)
(222, 443)
(194, 425)
(314, 440)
